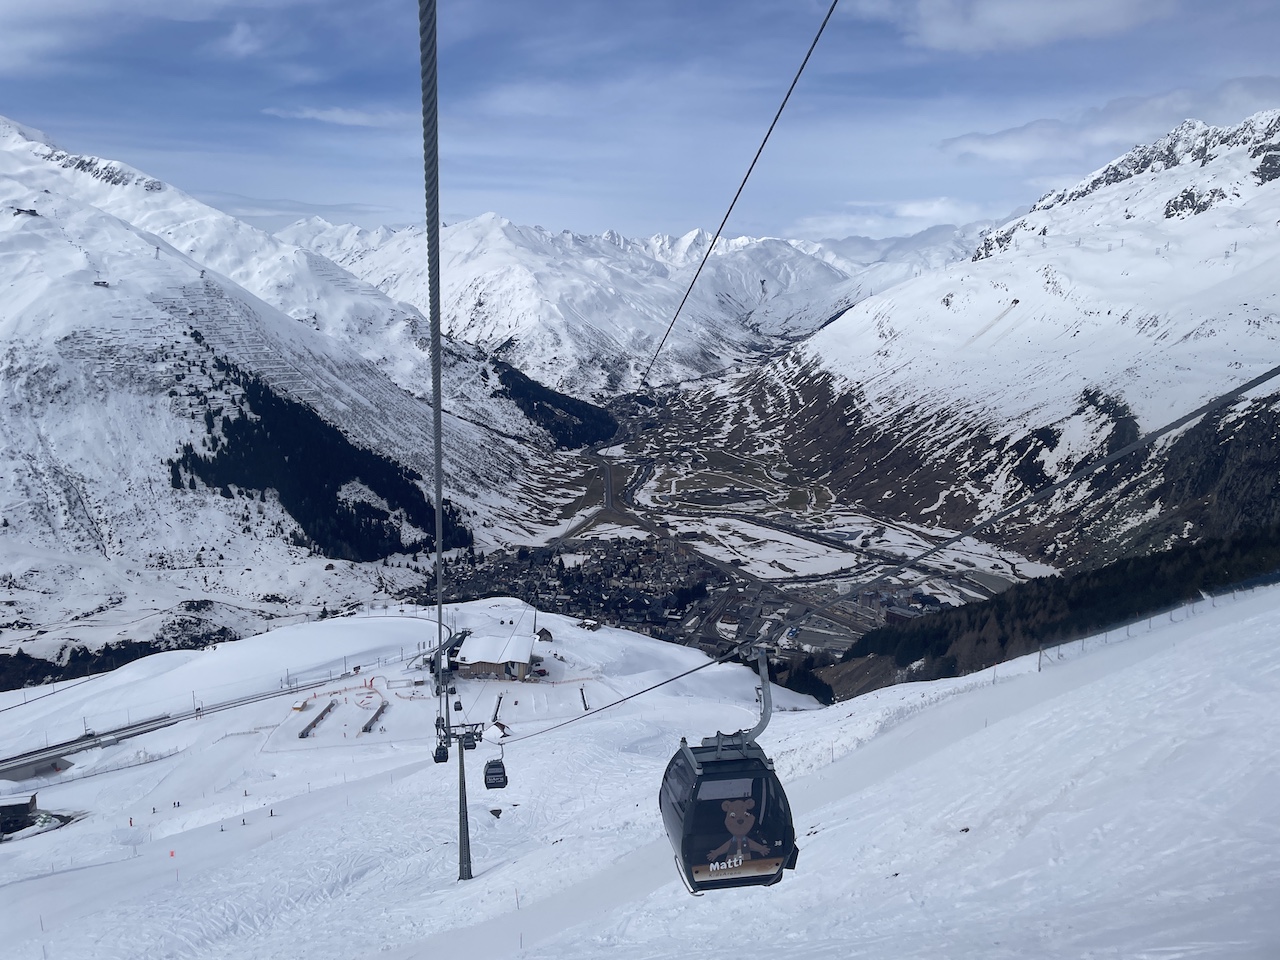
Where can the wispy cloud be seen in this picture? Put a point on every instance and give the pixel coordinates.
(346, 117)
(1095, 135)
(271, 215)
(975, 26)
(243, 41)
(890, 219)
(38, 36)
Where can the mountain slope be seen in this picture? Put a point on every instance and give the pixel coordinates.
(1105, 312)
(1119, 802)
(585, 313)
(310, 289)
(128, 358)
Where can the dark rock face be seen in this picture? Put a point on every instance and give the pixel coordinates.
(1269, 168)
(996, 241)
(570, 422)
(104, 170)
(1191, 201)
(1223, 475)
(275, 443)
(1192, 142)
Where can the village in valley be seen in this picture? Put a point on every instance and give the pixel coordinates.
(661, 587)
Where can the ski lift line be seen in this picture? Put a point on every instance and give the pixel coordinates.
(631, 696)
(719, 230)
(431, 183)
(427, 59)
(43, 695)
(1142, 442)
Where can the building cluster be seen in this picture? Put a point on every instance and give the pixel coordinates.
(660, 587)
(646, 585)
(898, 605)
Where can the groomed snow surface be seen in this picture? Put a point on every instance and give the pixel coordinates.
(1122, 802)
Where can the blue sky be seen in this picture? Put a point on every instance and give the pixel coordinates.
(641, 117)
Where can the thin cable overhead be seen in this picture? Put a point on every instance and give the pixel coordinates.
(631, 696)
(1088, 470)
(1213, 405)
(719, 230)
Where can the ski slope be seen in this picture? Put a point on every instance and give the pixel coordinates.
(1119, 803)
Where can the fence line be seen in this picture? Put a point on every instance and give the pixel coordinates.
(1250, 587)
(137, 761)
(200, 699)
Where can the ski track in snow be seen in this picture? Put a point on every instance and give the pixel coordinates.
(1118, 803)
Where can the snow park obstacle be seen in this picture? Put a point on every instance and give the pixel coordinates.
(315, 722)
(382, 708)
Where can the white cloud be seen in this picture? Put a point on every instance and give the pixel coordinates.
(275, 214)
(242, 42)
(975, 26)
(1097, 135)
(890, 219)
(36, 34)
(344, 117)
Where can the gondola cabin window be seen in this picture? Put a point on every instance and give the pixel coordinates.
(678, 783)
(732, 835)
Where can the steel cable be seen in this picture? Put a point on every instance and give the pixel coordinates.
(631, 696)
(720, 229)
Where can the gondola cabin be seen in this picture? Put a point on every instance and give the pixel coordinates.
(495, 775)
(727, 815)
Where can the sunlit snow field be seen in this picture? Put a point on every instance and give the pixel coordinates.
(1120, 802)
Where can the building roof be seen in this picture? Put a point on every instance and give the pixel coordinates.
(482, 648)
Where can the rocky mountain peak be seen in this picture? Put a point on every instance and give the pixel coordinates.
(1190, 141)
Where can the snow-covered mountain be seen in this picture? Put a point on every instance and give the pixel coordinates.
(1119, 802)
(585, 313)
(164, 362)
(1106, 311)
(161, 362)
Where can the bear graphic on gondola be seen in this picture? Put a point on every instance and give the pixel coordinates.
(739, 821)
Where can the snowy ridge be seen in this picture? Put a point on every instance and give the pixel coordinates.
(1193, 140)
(307, 288)
(1117, 802)
(584, 313)
(1102, 313)
(122, 298)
